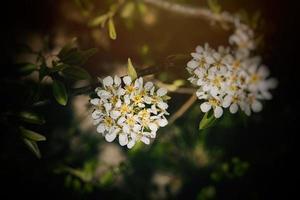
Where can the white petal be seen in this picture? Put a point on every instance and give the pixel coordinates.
(115, 114)
(123, 139)
(218, 111)
(117, 80)
(127, 80)
(109, 137)
(205, 107)
(120, 91)
(126, 128)
(121, 120)
(161, 91)
(162, 122)
(107, 107)
(108, 81)
(145, 140)
(101, 128)
(147, 99)
(148, 86)
(95, 101)
(192, 64)
(227, 101)
(162, 105)
(153, 127)
(233, 108)
(96, 114)
(256, 106)
(130, 144)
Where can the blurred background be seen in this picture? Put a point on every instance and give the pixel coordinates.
(239, 158)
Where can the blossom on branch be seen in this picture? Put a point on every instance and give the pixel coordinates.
(228, 79)
(130, 110)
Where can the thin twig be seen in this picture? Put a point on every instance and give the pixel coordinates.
(183, 109)
(191, 11)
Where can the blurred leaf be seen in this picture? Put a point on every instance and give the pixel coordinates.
(58, 68)
(31, 117)
(206, 193)
(33, 147)
(64, 51)
(127, 10)
(59, 92)
(76, 73)
(107, 178)
(77, 57)
(112, 29)
(100, 20)
(26, 68)
(214, 6)
(130, 70)
(31, 135)
(206, 121)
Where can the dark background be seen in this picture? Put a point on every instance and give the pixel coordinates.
(268, 143)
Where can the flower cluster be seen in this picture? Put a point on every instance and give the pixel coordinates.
(129, 109)
(229, 79)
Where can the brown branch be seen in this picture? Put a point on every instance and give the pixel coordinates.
(183, 109)
(191, 11)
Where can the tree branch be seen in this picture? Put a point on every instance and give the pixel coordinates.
(191, 11)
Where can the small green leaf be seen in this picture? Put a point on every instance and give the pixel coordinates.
(31, 135)
(206, 121)
(33, 147)
(31, 117)
(58, 68)
(87, 54)
(128, 10)
(100, 20)
(59, 92)
(130, 70)
(76, 73)
(68, 47)
(25, 68)
(112, 29)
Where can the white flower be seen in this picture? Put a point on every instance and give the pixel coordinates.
(129, 110)
(229, 79)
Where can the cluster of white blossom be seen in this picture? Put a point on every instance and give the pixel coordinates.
(230, 78)
(129, 109)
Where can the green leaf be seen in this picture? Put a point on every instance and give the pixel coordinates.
(130, 70)
(128, 10)
(67, 48)
(100, 20)
(59, 92)
(112, 29)
(31, 135)
(58, 68)
(206, 121)
(33, 147)
(87, 54)
(31, 117)
(25, 68)
(76, 73)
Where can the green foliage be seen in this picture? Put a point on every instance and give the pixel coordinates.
(112, 29)
(25, 68)
(33, 147)
(31, 117)
(59, 92)
(31, 135)
(76, 73)
(207, 121)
